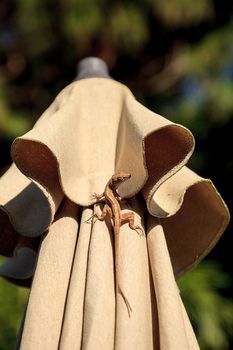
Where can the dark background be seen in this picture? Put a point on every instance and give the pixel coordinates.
(177, 58)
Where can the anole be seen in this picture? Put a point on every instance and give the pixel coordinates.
(112, 207)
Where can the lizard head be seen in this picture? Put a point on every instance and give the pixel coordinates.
(120, 177)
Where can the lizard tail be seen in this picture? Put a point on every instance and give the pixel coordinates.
(129, 308)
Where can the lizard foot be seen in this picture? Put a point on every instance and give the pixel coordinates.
(129, 218)
(98, 197)
(91, 219)
(139, 230)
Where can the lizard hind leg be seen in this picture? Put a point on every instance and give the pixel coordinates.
(129, 218)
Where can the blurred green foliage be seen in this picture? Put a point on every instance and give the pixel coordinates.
(177, 57)
(211, 314)
(12, 123)
(180, 13)
(12, 306)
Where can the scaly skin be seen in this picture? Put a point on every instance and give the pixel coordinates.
(112, 207)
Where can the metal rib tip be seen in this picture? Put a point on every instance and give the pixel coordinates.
(92, 67)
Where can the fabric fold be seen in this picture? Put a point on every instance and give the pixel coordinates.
(196, 227)
(73, 304)
(94, 128)
(175, 330)
(193, 214)
(47, 299)
(68, 151)
(20, 269)
(22, 198)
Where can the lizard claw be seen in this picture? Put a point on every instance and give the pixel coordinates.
(139, 231)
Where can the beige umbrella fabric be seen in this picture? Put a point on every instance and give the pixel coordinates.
(94, 129)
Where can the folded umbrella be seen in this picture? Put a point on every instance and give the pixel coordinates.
(94, 129)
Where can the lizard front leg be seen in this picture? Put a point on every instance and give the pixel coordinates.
(99, 197)
(106, 210)
(129, 218)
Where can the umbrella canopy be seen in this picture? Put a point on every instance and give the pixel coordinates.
(96, 128)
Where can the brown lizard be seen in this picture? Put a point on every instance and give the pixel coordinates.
(112, 207)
